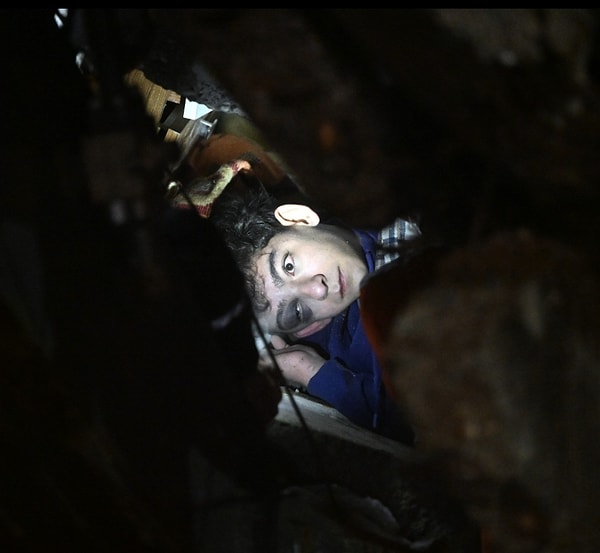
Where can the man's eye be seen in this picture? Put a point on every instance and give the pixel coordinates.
(288, 265)
(298, 311)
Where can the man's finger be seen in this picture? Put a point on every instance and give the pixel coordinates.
(278, 342)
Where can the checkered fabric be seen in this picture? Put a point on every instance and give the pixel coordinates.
(389, 239)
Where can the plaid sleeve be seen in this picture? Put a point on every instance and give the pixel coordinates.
(390, 237)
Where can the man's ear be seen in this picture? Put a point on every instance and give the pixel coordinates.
(296, 214)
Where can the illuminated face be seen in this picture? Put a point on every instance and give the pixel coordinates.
(310, 275)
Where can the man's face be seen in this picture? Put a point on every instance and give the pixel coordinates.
(310, 275)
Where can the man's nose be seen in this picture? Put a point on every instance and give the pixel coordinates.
(314, 287)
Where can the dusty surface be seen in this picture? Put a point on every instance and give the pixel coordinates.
(473, 119)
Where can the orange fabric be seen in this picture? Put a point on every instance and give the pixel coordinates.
(206, 156)
(385, 293)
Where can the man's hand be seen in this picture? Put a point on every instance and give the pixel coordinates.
(298, 363)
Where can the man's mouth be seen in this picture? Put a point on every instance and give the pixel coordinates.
(311, 328)
(342, 283)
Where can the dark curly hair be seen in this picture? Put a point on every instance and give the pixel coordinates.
(247, 223)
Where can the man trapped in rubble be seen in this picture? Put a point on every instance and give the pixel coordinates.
(304, 280)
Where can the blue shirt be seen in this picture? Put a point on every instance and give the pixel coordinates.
(351, 378)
